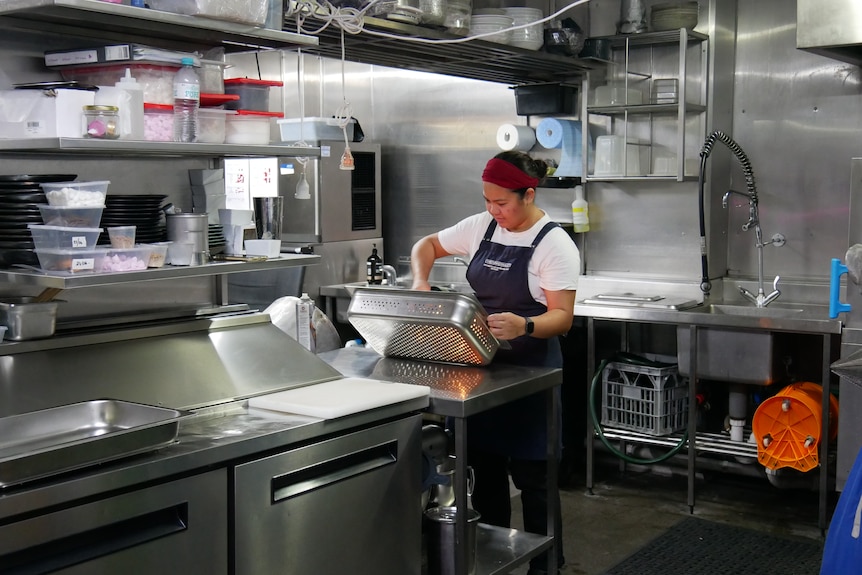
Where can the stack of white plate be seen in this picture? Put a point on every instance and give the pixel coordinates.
(485, 23)
(531, 37)
(673, 16)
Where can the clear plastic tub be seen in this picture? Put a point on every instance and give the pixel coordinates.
(313, 129)
(211, 125)
(158, 122)
(158, 254)
(211, 75)
(126, 260)
(156, 79)
(243, 11)
(249, 127)
(253, 94)
(122, 237)
(76, 194)
(71, 217)
(60, 237)
(71, 261)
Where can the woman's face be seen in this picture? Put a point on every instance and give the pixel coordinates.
(507, 207)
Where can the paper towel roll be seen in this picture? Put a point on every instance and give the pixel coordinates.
(511, 137)
(555, 133)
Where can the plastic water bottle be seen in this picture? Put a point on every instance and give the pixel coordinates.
(580, 211)
(304, 323)
(187, 99)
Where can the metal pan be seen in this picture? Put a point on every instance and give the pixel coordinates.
(46, 442)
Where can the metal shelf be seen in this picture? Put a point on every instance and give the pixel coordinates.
(147, 148)
(33, 277)
(475, 59)
(668, 109)
(107, 21)
(704, 442)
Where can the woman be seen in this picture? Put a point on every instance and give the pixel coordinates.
(524, 270)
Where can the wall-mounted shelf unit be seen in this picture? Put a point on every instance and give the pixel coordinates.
(147, 148)
(107, 21)
(623, 105)
(474, 59)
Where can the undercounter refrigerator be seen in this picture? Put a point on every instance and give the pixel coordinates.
(339, 216)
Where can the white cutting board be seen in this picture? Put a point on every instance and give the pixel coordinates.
(339, 397)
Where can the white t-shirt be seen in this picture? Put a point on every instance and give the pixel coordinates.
(556, 261)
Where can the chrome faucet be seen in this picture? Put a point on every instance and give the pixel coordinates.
(461, 261)
(760, 299)
(389, 274)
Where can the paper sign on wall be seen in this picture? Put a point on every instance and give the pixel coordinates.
(245, 178)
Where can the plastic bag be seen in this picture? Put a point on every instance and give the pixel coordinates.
(283, 314)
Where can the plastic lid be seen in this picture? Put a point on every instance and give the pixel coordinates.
(158, 107)
(257, 113)
(253, 82)
(187, 61)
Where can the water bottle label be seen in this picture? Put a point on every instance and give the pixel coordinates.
(187, 92)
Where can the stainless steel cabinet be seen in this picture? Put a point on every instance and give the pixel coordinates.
(175, 527)
(350, 504)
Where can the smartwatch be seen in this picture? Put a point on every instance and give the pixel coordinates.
(529, 326)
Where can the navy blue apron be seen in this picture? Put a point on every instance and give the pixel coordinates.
(842, 552)
(498, 275)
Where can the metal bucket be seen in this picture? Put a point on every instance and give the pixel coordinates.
(189, 228)
(441, 540)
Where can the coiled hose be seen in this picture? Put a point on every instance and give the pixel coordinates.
(705, 151)
(631, 359)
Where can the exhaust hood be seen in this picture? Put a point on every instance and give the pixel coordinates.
(831, 28)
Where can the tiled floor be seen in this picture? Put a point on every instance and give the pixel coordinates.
(627, 509)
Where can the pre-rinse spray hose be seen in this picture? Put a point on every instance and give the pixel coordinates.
(705, 151)
(622, 357)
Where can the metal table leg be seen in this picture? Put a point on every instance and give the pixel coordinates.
(461, 496)
(824, 434)
(591, 368)
(692, 414)
(553, 495)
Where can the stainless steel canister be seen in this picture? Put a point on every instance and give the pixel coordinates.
(268, 212)
(189, 228)
(441, 540)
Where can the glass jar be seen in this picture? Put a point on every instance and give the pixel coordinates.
(101, 122)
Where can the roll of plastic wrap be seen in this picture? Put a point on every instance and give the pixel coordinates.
(511, 137)
(555, 133)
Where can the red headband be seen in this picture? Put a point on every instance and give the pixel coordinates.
(506, 175)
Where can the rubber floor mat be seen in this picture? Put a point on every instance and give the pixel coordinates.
(698, 547)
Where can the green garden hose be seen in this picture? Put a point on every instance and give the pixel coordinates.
(631, 359)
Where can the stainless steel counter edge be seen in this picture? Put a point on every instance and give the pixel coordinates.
(804, 318)
(212, 437)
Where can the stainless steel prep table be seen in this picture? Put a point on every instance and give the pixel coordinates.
(813, 319)
(459, 392)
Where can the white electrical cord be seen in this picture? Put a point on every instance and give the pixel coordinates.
(344, 115)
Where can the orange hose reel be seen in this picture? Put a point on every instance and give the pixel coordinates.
(787, 427)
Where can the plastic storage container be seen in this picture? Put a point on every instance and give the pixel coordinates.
(253, 94)
(70, 216)
(126, 260)
(652, 400)
(71, 261)
(76, 194)
(211, 74)
(158, 122)
(243, 11)
(156, 79)
(60, 237)
(158, 254)
(211, 125)
(122, 237)
(313, 129)
(249, 127)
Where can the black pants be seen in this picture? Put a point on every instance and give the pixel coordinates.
(491, 496)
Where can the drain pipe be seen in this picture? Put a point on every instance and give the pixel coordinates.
(705, 151)
(737, 408)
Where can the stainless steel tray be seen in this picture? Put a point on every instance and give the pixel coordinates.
(428, 325)
(50, 441)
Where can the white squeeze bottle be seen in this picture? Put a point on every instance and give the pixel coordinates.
(187, 99)
(580, 211)
(132, 110)
(304, 323)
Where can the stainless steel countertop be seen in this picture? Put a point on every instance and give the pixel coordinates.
(456, 391)
(213, 437)
(787, 317)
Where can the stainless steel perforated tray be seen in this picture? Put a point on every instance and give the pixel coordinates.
(433, 326)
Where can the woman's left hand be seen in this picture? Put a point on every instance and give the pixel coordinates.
(506, 325)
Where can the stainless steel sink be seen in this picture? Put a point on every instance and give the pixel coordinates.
(752, 311)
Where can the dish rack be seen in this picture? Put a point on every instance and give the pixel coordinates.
(446, 327)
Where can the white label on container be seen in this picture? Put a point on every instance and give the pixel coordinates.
(286, 170)
(79, 241)
(118, 52)
(325, 152)
(83, 264)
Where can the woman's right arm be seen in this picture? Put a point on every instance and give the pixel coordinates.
(422, 257)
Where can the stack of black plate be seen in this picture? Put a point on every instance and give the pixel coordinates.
(216, 241)
(20, 196)
(142, 211)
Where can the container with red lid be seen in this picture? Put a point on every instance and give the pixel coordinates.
(253, 94)
(250, 127)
